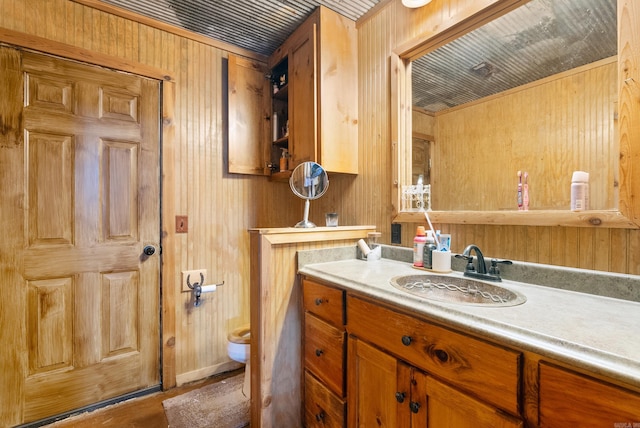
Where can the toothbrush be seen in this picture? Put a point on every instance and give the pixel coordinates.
(520, 190)
(525, 192)
(433, 231)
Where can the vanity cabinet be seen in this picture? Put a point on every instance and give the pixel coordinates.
(405, 369)
(384, 391)
(324, 351)
(315, 96)
(569, 399)
(437, 377)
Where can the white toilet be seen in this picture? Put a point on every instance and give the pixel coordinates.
(238, 350)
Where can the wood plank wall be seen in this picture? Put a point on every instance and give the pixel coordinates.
(221, 207)
(615, 250)
(548, 128)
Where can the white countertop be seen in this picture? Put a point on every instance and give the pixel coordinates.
(599, 334)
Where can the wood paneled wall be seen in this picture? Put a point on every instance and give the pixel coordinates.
(548, 128)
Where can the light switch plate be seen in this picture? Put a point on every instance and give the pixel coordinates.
(194, 277)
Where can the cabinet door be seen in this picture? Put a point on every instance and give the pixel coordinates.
(571, 399)
(372, 387)
(449, 408)
(249, 129)
(302, 101)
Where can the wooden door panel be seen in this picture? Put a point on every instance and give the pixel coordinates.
(83, 192)
(120, 189)
(50, 160)
(50, 329)
(120, 322)
(50, 93)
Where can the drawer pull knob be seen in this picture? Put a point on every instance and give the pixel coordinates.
(415, 407)
(442, 355)
(320, 416)
(406, 340)
(320, 301)
(400, 397)
(319, 352)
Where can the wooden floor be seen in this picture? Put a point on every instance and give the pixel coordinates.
(141, 412)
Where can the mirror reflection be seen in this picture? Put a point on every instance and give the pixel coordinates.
(308, 181)
(532, 91)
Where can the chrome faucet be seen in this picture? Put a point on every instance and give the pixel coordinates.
(481, 272)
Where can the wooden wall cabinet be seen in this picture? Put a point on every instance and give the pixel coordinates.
(248, 98)
(319, 97)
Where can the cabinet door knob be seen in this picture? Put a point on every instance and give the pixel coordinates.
(415, 407)
(320, 416)
(319, 352)
(406, 340)
(319, 301)
(400, 397)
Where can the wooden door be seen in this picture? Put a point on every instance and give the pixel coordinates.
(249, 99)
(303, 101)
(79, 173)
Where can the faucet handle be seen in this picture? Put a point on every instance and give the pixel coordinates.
(470, 267)
(494, 270)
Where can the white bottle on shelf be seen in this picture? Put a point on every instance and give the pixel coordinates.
(580, 191)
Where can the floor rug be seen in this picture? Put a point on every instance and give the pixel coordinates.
(217, 405)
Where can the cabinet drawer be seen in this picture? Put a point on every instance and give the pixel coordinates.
(324, 301)
(321, 407)
(324, 352)
(489, 371)
(571, 399)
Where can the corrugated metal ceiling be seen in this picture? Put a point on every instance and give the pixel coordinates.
(539, 39)
(256, 25)
(536, 40)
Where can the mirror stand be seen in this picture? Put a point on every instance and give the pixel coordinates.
(305, 220)
(308, 181)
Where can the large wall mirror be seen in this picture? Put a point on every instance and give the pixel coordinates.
(532, 86)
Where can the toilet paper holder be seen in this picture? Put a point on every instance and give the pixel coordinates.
(198, 288)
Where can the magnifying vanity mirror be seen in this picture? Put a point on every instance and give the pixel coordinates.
(532, 86)
(308, 181)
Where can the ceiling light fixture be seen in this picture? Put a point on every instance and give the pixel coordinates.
(415, 3)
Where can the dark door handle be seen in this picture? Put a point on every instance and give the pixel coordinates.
(149, 250)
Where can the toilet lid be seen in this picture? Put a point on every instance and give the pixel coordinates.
(240, 335)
